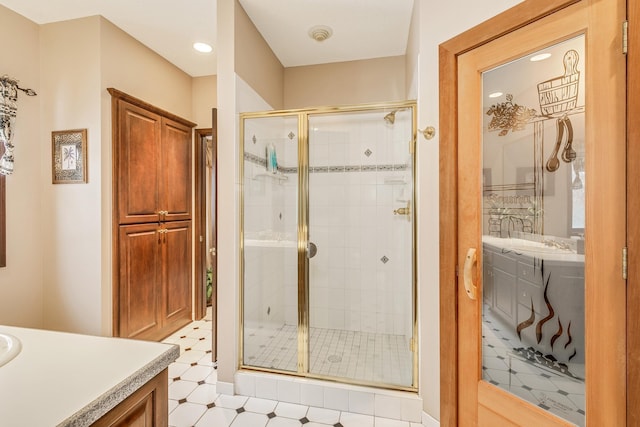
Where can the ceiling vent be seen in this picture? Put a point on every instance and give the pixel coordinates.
(320, 33)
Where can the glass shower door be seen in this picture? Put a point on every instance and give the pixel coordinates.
(269, 238)
(360, 216)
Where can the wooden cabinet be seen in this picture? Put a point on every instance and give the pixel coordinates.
(499, 292)
(155, 279)
(146, 407)
(152, 218)
(153, 166)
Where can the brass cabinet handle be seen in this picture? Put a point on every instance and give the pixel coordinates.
(469, 262)
(162, 235)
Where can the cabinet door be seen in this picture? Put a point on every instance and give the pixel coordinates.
(176, 255)
(139, 285)
(175, 177)
(504, 285)
(146, 407)
(137, 164)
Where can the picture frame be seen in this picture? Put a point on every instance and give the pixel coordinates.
(69, 156)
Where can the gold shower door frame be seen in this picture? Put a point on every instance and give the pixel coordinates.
(303, 116)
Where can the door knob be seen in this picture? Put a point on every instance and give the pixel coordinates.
(469, 262)
(312, 250)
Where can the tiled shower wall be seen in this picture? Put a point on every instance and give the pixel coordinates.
(360, 172)
(269, 222)
(360, 280)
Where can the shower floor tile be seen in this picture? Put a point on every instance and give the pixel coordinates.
(362, 356)
(195, 402)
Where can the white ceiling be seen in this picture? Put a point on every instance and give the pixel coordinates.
(361, 28)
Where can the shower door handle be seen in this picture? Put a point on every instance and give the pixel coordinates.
(312, 250)
(469, 262)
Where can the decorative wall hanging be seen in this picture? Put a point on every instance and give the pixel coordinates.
(8, 110)
(69, 156)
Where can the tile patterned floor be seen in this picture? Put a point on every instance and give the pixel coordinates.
(379, 358)
(540, 384)
(193, 400)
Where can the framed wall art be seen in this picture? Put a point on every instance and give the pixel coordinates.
(69, 156)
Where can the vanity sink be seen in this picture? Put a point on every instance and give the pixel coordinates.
(10, 346)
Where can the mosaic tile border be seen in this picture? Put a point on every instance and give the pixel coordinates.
(257, 160)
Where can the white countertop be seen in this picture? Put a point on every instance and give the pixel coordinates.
(63, 379)
(533, 249)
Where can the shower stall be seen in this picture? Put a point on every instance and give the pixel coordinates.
(328, 244)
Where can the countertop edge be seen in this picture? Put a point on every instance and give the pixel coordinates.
(111, 398)
(549, 258)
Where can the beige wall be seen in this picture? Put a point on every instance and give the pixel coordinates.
(70, 83)
(204, 95)
(345, 83)
(21, 280)
(228, 189)
(131, 67)
(255, 62)
(412, 73)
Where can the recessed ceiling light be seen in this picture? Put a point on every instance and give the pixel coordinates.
(540, 57)
(495, 95)
(202, 47)
(320, 33)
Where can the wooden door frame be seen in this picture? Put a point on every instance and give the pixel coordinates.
(200, 222)
(511, 20)
(633, 207)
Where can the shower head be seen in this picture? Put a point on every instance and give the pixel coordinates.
(391, 117)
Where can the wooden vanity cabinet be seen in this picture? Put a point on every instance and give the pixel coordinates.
(146, 407)
(152, 160)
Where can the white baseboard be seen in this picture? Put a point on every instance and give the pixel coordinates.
(225, 388)
(399, 405)
(429, 421)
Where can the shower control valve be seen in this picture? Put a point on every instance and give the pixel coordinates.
(402, 211)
